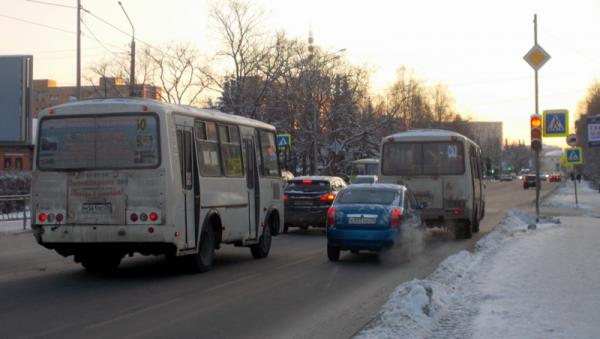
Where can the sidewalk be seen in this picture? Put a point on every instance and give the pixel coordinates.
(14, 226)
(517, 282)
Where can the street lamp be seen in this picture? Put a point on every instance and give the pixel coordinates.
(132, 71)
(316, 106)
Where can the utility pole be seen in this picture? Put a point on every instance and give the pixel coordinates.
(315, 106)
(537, 151)
(132, 65)
(78, 91)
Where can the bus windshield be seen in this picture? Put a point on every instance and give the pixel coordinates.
(423, 158)
(94, 142)
(361, 168)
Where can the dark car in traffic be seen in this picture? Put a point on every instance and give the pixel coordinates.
(370, 217)
(528, 181)
(307, 199)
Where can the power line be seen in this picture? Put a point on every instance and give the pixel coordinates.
(97, 40)
(36, 23)
(51, 4)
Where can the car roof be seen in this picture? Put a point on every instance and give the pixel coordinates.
(316, 178)
(377, 186)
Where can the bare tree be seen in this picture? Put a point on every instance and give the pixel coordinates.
(181, 72)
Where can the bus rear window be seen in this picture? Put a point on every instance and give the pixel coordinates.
(423, 158)
(98, 142)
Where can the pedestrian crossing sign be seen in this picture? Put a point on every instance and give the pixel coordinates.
(574, 156)
(556, 123)
(284, 140)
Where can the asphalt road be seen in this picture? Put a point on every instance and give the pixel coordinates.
(294, 293)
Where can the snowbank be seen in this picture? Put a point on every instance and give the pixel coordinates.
(460, 299)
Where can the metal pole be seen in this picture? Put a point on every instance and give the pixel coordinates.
(537, 152)
(24, 213)
(132, 69)
(575, 184)
(78, 91)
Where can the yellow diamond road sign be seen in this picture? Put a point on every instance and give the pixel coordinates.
(536, 57)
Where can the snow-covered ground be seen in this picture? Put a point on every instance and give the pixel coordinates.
(516, 283)
(8, 225)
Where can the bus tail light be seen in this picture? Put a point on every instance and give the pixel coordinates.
(395, 218)
(153, 216)
(42, 217)
(331, 217)
(133, 217)
(456, 211)
(59, 217)
(141, 216)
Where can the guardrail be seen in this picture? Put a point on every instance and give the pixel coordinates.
(15, 207)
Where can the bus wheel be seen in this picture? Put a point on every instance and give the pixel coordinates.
(100, 263)
(462, 229)
(203, 260)
(475, 222)
(261, 250)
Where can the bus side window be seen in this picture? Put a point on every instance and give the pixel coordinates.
(268, 152)
(208, 150)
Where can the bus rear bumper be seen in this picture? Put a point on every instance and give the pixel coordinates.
(70, 239)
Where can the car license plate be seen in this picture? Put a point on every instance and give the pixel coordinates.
(362, 221)
(303, 202)
(96, 208)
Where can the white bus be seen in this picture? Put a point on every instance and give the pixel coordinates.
(444, 171)
(367, 166)
(113, 177)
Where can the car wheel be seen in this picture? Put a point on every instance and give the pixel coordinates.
(333, 253)
(203, 260)
(261, 250)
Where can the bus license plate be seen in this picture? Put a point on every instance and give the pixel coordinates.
(96, 208)
(362, 221)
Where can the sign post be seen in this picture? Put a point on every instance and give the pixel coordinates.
(536, 58)
(574, 156)
(593, 129)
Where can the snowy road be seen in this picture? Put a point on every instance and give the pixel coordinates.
(295, 293)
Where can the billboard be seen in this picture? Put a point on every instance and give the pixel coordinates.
(16, 85)
(593, 126)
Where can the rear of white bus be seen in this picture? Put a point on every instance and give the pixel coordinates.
(99, 183)
(436, 171)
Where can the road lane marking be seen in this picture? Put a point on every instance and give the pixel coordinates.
(250, 276)
(132, 314)
(297, 262)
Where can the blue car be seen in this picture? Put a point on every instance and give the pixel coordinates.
(370, 217)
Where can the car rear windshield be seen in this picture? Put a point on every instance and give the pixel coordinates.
(363, 180)
(367, 196)
(308, 186)
(98, 142)
(423, 158)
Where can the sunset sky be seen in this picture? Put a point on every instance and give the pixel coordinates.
(476, 48)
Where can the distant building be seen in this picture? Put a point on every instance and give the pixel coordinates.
(46, 93)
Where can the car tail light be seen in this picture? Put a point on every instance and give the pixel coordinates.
(307, 182)
(395, 218)
(285, 197)
(327, 197)
(331, 217)
(42, 217)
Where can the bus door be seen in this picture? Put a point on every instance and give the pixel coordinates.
(253, 186)
(185, 145)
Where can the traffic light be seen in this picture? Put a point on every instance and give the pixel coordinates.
(536, 132)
